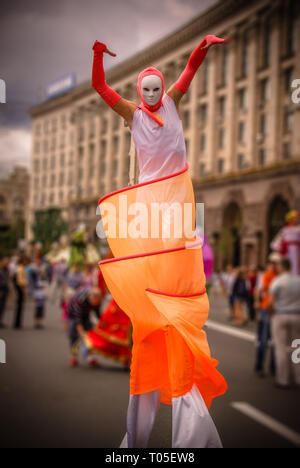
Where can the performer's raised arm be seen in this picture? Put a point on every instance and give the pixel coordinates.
(181, 86)
(112, 98)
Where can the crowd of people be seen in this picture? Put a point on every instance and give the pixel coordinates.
(270, 297)
(81, 292)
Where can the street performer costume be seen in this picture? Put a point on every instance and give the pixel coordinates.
(287, 241)
(156, 276)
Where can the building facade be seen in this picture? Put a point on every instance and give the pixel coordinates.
(14, 194)
(239, 120)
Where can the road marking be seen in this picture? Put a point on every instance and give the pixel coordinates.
(267, 421)
(245, 335)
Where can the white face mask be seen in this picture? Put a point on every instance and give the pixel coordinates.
(151, 88)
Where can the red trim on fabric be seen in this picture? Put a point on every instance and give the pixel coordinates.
(176, 295)
(144, 183)
(148, 112)
(148, 254)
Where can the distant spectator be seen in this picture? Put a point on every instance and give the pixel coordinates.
(251, 284)
(228, 280)
(285, 302)
(39, 295)
(74, 279)
(80, 307)
(20, 283)
(263, 325)
(240, 297)
(4, 286)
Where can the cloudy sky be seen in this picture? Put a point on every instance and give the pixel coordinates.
(41, 41)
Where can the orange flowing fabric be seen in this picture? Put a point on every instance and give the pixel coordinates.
(157, 278)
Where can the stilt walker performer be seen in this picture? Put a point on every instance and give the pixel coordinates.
(157, 275)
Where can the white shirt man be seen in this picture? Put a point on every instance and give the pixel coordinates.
(285, 301)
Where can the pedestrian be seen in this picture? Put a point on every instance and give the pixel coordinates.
(251, 284)
(228, 280)
(80, 307)
(285, 304)
(4, 287)
(240, 297)
(263, 324)
(39, 295)
(20, 282)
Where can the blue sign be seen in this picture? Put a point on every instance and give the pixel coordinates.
(61, 86)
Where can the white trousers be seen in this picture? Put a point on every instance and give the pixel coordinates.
(192, 425)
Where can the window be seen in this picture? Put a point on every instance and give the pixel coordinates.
(264, 124)
(221, 166)
(37, 147)
(92, 129)
(61, 178)
(62, 140)
(103, 168)
(202, 169)
(103, 146)
(63, 121)
(53, 161)
(205, 76)
(245, 54)
(241, 161)
(242, 131)
(81, 133)
(104, 125)
(80, 154)
(114, 167)
(45, 146)
(203, 142)
(202, 115)
(53, 180)
(287, 151)
(242, 99)
(288, 78)
(224, 70)
(115, 145)
(187, 146)
(46, 126)
(186, 119)
(288, 120)
(222, 137)
(262, 158)
(62, 159)
(54, 125)
(36, 165)
(291, 29)
(266, 43)
(265, 90)
(222, 106)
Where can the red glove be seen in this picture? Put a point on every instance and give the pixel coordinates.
(195, 60)
(110, 96)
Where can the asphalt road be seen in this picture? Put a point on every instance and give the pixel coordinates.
(43, 403)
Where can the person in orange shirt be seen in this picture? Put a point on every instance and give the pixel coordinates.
(263, 325)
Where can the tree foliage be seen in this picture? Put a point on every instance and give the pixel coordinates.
(48, 227)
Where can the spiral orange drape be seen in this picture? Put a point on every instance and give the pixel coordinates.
(158, 279)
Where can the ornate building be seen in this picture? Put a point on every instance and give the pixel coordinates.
(14, 192)
(239, 120)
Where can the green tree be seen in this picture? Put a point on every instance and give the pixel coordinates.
(48, 226)
(9, 239)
